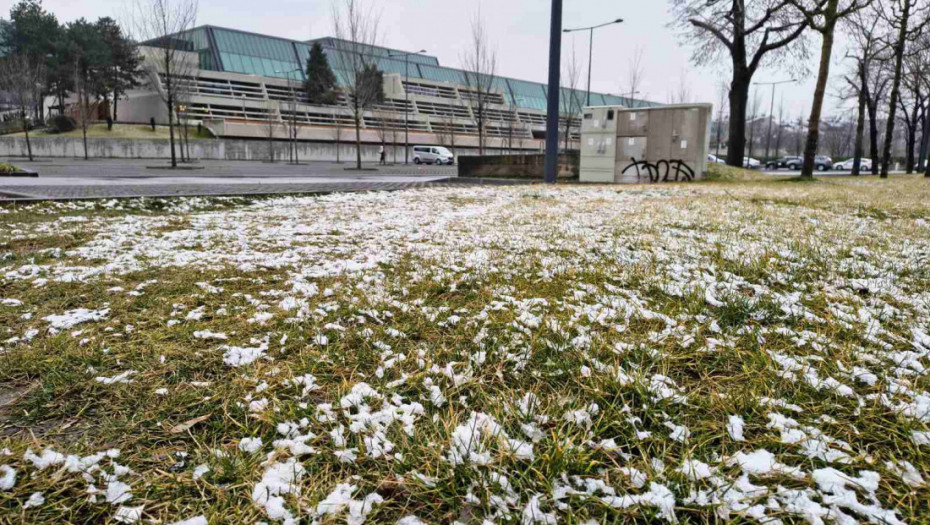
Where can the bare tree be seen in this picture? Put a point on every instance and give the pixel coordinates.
(383, 118)
(754, 109)
(865, 50)
(270, 126)
(723, 93)
(570, 100)
(20, 78)
(908, 19)
(292, 124)
(82, 88)
(185, 89)
(822, 16)
(913, 104)
(479, 68)
(780, 131)
(445, 130)
(337, 134)
(682, 93)
(356, 27)
(799, 136)
(635, 72)
(156, 22)
(748, 34)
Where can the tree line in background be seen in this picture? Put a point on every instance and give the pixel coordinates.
(40, 57)
(889, 50)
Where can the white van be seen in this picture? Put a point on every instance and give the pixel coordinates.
(432, 155)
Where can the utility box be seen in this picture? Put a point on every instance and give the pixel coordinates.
(646, 145)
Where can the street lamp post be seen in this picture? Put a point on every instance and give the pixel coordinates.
(293, 130)
(552, 109)
(406, 99)
(591, 48)
(768, 140)
(630, 98)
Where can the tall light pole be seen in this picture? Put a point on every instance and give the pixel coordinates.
(630, 98)
(293, 131)
(552, 117)
(768, 140)
(406, 99)
(591, 48)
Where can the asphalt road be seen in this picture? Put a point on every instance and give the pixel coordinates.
(841, 173)
(106, 178)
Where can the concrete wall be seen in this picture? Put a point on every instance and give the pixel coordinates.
(220, 149)
(516, 166)
(255, 150)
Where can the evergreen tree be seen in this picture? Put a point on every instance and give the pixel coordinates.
(371, 85)
(123, 65)
(34, 33)
(321, 82)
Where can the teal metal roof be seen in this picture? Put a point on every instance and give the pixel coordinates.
(235, 51)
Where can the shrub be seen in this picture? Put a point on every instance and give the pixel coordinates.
(7, 168)
(63, 124)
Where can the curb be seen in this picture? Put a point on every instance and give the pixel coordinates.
(487, 181)
(21, 173)
(177, 168)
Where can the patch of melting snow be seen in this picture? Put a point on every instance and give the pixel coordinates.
(235, 356)
(73, 318)
(207, 334)
(250, 445)
(279, 480)
(37, 499)
(129, 514)
(735, 428)
(7, 477)
(762, 463)
(123, 378)
(197, 520)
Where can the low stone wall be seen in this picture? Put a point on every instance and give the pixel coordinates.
(221, 149)
(218, 149)
(517, 166)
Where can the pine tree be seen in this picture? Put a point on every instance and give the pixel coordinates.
(123, 65)
(321, 82)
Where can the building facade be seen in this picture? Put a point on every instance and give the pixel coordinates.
(244, 85)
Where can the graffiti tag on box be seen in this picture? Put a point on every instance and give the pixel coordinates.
(662, 170)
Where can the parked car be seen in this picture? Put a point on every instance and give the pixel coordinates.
(751, 163)
(784, 162)
(847, 165)
(713, 159)
(823, 163)
(432, 155)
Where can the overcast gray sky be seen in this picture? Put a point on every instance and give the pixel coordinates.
(519, 29)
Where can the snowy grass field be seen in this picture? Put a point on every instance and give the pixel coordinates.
(746, 352)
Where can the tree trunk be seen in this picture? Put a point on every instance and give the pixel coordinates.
(813, 131)
(84, 116)
(115, 99)
(739, 97)
(873, 136)
(358, 140)
(26, 129)
(895, 87)
(925, 141)
(860, 135)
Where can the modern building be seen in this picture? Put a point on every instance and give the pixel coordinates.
(242, 84)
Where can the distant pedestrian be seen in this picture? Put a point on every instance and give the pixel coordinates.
(383, 155)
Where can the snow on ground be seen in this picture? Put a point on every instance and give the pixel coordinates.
(510, 355)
